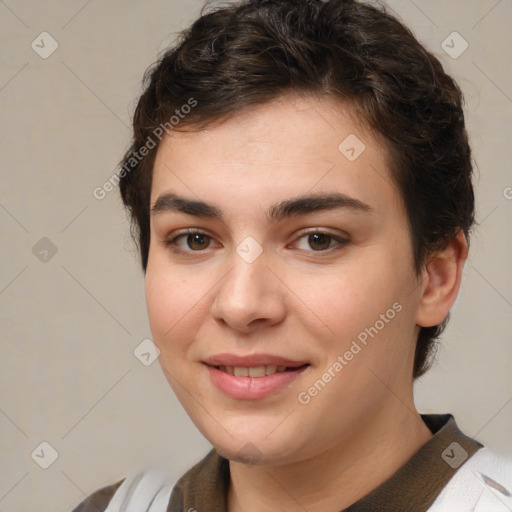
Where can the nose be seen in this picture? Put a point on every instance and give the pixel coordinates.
(250, 297)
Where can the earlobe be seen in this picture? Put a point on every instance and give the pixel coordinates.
(441, 282)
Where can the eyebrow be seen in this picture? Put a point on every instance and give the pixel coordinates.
(305, 204)
(301, 205)
(174, 203)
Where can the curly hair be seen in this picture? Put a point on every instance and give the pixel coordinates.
(250, 52)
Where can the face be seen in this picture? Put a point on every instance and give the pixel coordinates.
(280, 285)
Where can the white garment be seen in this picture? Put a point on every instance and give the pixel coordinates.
(148, 491)
(482, 484)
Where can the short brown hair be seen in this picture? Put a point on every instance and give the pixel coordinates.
(254, 51)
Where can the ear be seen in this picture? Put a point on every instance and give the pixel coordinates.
(441, 282)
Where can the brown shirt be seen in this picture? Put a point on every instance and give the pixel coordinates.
(414, 487)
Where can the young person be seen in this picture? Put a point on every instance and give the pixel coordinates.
(300, 187)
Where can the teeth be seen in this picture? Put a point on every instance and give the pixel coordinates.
(257, 371)
(269, 370)
(254, 371)
(240, 371)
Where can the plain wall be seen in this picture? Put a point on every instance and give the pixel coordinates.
(70, 324)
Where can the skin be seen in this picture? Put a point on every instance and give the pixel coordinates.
(295, 301)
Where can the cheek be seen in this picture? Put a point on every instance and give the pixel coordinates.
(369, 312)
(352, 297)
(170, 305)
(161, 310)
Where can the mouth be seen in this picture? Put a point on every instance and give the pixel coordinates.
(253, 377)
(257, 371)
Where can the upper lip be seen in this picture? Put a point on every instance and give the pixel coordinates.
(252, 360)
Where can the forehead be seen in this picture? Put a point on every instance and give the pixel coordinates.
(288, 147)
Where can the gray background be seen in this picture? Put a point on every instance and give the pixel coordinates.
(71, 322)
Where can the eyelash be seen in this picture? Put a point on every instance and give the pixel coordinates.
(171, 243)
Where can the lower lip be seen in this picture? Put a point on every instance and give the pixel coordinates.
(252, 388)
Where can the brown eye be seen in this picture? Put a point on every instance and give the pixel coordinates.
(191, 241)
(319, 241)
(198, 241)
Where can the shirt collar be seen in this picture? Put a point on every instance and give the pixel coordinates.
(414, 486)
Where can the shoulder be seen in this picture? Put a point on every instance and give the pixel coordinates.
(483, 483)
(98, 501)
(139, 490)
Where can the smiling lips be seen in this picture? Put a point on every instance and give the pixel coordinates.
(252, 371)
(252, 377)
(252, 361)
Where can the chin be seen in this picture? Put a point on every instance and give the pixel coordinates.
(254, 447)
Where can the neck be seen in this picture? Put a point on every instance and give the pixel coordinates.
(336, 478)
